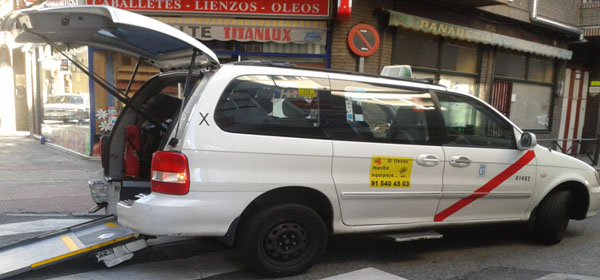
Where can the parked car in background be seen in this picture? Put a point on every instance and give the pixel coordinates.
(67, 107)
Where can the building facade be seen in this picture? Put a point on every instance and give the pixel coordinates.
(532, 60)
(490, 49)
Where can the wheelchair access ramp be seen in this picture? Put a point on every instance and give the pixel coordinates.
(97, 235)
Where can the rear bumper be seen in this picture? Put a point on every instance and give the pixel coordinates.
(193, 214)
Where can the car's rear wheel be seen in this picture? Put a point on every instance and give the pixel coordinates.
(282, 240)
(552, 217)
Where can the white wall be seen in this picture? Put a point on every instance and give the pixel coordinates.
(7, 99)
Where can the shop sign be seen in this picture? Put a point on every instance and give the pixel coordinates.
(55, 3)
(474, 35)
(295, 8)
(225, 29)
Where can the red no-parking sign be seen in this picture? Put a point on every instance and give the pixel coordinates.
(363, 40)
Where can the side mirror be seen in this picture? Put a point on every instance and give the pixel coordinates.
(527, 141)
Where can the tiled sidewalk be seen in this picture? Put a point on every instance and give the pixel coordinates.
(35, 178)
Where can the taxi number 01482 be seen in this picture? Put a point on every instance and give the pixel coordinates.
(522, 178)
(387, 183)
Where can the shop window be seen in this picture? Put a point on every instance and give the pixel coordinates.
(417, 49)
(126, 60)
(510, 64)
(540, 69)
(107, 107)
(423, 75)
(526, 99)
(459, 56)
(458, 83)
(65, 101)
(251, 47)
(123, 69)
(464, 84)
(272, 105)
(526, 104)
(216, 45)
(456, 68)
(530, 108)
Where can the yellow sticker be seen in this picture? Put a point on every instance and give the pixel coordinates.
(595, 83)
(307, 92)
(390, 172)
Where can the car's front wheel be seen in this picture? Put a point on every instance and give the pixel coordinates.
(552, 217)
(282, 240)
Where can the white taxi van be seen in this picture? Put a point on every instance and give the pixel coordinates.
(274, 158)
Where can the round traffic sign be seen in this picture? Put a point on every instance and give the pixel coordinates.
(363, 40)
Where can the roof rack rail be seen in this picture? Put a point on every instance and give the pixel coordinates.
(262, 62)
(281, 64)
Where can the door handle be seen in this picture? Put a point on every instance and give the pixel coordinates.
(460, 161)
(428, 160)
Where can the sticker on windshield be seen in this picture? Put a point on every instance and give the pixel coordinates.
(307, 92)
(390, 172)
(349, 113)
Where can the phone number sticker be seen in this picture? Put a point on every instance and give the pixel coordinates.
(390, 172)
(307, 92)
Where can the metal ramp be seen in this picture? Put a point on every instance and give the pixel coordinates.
(54, 247)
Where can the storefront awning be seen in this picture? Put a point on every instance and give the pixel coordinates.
(258, 30)
(474, 35)
(593, 31)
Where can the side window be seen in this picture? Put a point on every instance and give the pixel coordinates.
(272, 105)
(469, 123)
(383, 114)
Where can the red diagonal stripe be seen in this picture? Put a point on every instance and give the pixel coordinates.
(487, 188)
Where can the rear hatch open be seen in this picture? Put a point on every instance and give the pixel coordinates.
(109, 28)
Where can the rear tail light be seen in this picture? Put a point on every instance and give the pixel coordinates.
(170, 173)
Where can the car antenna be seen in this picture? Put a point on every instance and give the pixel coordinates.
(186, 88)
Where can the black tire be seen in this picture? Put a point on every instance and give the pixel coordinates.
(552, 217)
(282, 240)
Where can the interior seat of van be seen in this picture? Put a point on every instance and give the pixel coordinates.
(407, 127)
